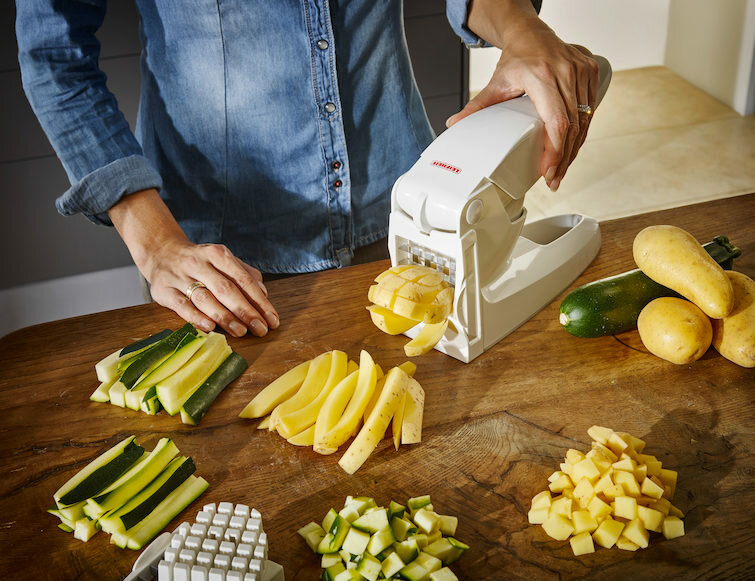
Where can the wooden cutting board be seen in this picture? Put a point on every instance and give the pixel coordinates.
(494, 429)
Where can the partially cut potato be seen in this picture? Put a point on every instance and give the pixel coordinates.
(406, 295)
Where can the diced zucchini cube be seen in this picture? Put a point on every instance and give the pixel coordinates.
(369, 567)
(444, 574)
(356, 541)
(380, 541)
(313, 534)
(330, 559)
(372, 520)
(396, 509)
(331, 572)
(448, 525)
(418, 502)
(360, 503)
(407, 550)
(402, 528)
(391, 565)
(350, 513)
(348, 575)
(429, 562)
(414, 572)
(330, 517)
(426, 520)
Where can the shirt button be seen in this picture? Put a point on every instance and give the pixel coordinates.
(330, 107)
(336, 165)
(337, 184)
(322, 44)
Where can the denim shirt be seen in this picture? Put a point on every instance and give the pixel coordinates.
(276, 128)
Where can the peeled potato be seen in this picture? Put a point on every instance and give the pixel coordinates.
(734, 335)
(675, 330)
(406, 295)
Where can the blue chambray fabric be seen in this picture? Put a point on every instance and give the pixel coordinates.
(275, 128)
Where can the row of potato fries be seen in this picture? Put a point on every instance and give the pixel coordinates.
(325, 401)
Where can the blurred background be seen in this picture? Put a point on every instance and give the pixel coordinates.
(675, 128)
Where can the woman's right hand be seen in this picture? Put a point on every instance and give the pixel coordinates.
(232, 294)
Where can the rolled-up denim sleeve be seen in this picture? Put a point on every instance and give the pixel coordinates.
(457, 12)
(58, 55)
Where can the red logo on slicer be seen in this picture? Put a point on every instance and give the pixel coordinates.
(448, 166)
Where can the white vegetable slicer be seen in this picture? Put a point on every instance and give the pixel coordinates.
(460, 210)
(226, 543)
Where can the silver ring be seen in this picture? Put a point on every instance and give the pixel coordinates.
(192, 287)
(586, 109)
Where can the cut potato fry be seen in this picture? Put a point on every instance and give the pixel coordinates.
(317, 375)
(426, 339)
(304, 438)
(279, 390)
(414, 410)
(366, 383)
(264, 424)
(398, 417)
(290, 424)
(332, 410)
(374, 428)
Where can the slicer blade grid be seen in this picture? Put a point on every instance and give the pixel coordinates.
(411, 253)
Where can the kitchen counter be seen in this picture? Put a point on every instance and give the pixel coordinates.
(494, 429)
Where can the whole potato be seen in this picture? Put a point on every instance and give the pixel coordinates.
(672, 257)
(734, 336)
(675, 330)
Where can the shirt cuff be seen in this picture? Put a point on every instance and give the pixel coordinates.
(457, 12)
(94, 194)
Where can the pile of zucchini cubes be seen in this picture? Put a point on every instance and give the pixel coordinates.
(128, 492)
(179, 371)
(367, 541)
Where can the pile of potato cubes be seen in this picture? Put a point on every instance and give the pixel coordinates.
(612, 495)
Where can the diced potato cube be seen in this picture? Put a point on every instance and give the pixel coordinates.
(626, 464)
(627, 480)
(598, 508)
(562, 505)
(673, 511)
(561, 483)
(652, 488)
(625, 507)
(604, 483)
(558, 527)
(573, 456)
(568, 493)
(608, 533)
(584, 489)
(614, 492)
(582, 544)
(673, 527)
(586, 469)
(602, 463)
(583, 521)
(537, 516)
(616, 443)
(651, 518)
(636, 532)
(668, 477)
(645, 500)
(637, 444)
(661, 505)
(599, 433)
(565, 467)
(654, 467)
(640, 472)
(541, 499)
(555, 476)
(604, 450)
(625, 544)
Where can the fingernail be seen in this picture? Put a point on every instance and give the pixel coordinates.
(550, 173)
(258, 328)
(263, 287)
(237, 329)
(554, 185)
(273, 320)
(206, 325)
(448, 121)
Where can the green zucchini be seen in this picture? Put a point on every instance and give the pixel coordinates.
(143, 532)
(155, 355)
(99, 473)
(112, 365)
(102, 393)
(133, 481)
(200, 401)
(173, 391)
(611, 305)
(141, 505)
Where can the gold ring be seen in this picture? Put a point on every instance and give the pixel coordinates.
(586, 109)
(192, 287)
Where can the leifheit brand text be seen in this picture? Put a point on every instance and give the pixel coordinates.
(448, 166)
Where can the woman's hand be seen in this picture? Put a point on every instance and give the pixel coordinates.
(231, 294)
(557, 77)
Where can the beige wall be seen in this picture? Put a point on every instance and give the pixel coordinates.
(710, 44)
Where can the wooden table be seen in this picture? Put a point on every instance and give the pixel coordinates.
(494, 429)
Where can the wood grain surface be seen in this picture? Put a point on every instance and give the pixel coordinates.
(494, 429)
